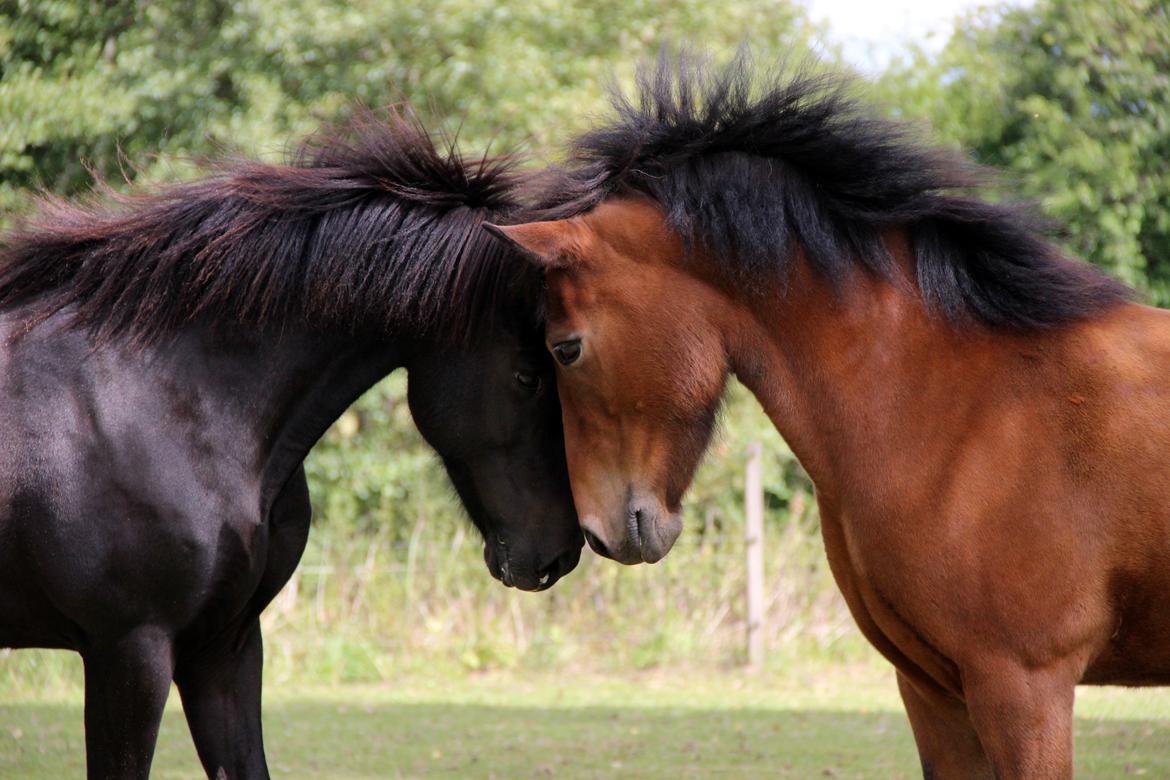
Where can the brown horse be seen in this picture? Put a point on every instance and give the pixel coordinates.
(987, 422)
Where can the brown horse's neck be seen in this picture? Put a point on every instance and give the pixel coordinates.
(860, 378)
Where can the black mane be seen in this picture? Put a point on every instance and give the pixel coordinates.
(370, 228)
(748, 174)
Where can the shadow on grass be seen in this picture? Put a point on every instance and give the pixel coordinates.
(335, 739)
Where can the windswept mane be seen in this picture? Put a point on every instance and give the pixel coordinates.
(750, 173)
(369, 228)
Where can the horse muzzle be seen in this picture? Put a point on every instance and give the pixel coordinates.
(646, 536)
(527, 577)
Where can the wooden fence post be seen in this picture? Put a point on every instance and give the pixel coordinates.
(754, 542)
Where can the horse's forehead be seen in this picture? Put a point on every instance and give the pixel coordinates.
(618, 263)
(577, 296)
(608, 280)
(570, 293)
(632, 229)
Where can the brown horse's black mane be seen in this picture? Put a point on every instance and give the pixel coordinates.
(748, 174)
(369, 228)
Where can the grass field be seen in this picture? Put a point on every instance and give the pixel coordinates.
(841, 721)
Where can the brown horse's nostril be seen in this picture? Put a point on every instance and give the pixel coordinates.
(596, 544)
(642, 525)
(651, 529)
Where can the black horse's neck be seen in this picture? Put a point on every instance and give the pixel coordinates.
(284, 389)
(303, 383)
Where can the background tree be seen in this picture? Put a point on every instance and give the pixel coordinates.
(1072, 99)
(156, 82)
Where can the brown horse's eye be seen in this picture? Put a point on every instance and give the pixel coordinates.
(567, 352)
(528, 380)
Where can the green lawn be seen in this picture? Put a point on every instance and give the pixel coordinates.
(827, 721)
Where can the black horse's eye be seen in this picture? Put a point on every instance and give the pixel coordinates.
(528, 380)
(567, 352)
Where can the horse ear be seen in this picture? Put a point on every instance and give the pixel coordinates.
(543, 243)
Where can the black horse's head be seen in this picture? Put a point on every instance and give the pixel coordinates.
(491, 412)
(373, 236)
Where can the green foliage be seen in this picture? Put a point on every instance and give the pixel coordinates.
(86, 83)
(1072, 97)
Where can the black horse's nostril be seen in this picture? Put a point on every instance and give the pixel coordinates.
(495, 555)
(562, 565)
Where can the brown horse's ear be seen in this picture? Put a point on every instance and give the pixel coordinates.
(544, 243)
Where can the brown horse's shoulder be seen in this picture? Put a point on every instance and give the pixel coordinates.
(1123, 356)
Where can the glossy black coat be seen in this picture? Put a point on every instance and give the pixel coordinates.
(153, 501)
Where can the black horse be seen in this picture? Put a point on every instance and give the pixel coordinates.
(165, 367)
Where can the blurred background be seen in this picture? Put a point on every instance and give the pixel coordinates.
(1070, 98)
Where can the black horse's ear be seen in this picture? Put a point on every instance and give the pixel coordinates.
(544, 243)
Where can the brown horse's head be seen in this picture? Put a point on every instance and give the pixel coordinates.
(641, 368)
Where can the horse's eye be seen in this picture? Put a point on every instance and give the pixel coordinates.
(528, 380)
(567, 352)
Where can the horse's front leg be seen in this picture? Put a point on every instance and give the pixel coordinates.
(126, 685)
(1024, 718)
(220, 687)
(220, 682)
(947, 743)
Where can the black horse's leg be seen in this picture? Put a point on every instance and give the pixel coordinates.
(220, 683)
(126, 686)
(221, 697)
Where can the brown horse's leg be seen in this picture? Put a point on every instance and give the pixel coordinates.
(1024, 720)
(947, 743)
